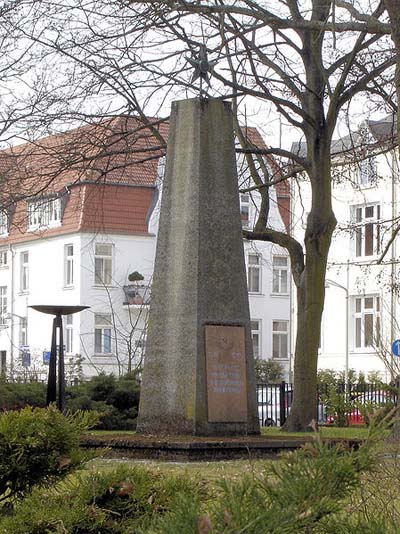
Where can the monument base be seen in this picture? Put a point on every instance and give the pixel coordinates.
(183, 427)
(184, 448)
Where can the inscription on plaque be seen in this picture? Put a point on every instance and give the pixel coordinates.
(226, 374)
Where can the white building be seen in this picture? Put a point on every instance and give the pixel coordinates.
(89, 221)
(361, 312)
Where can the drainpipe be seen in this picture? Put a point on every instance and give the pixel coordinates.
(393, 334)
(291, 289)
(12, 300)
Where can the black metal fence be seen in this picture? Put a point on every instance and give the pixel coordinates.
(275, 400)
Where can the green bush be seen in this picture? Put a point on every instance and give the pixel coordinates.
(38, 446)
(17, 395)
(337, 405)
(313, 490)
(371, 410)
(115, 400)
(268, 371)
(124, 501)
(298, 494)
(305, 492)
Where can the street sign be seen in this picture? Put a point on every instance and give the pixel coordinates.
(396, 347)
(26, 358)
(46, 357)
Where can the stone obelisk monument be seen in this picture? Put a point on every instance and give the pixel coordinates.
(198, 375)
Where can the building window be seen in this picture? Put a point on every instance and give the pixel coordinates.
(69, 265)
(44, 213)
(103, 264)
(23, 332)
(367, 171)
(367, 326)
(254, 273)
(280, 340)
(3, 305)
(102, 333)
(3, 258)
(24, 271)
(245, 209)
(280, 276)
(367, 230)
(69, 334)
(3, 222)
(255, 325)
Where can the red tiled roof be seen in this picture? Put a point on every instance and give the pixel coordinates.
(114, 209)
(121, 149)
(114, 152)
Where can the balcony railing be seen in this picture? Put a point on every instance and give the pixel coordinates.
(136, 295)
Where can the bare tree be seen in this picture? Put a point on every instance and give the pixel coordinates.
(394, 17)
(306, 61)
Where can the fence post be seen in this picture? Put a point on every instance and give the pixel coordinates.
(282, 402)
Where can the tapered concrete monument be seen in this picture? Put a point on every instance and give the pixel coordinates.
(198, 375)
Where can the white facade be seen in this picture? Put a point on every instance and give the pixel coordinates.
(361, 311)
(268, 279)
(92, 269)
(44, 275)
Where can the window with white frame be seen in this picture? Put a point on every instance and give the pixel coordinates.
(280, 274)
(69, 334)
(367, 230)
(102, 333)
(3, 222)
(254, 273)
(245, 209)
(69, 265)
(24, 271)
(23, 331)
(280, 339)
(44, 213)
(367, 171)
(367, 326)
(3, 305)
(3, 258)
(255, 325)
(103, 264)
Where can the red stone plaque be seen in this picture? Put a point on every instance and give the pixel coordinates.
(226, 374)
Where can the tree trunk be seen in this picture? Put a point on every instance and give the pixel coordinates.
(392, 7)
(311, 286)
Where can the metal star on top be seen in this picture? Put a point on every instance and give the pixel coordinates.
(202, 67)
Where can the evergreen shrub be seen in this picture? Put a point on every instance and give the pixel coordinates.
(115, 400)
(122, 501)
(39, 446)
(17, 395)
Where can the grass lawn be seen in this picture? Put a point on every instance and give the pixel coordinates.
(217, 470)
(210, 471)
(350, 432)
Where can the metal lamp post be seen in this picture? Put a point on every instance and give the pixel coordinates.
(329, 283)
(58, 311)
